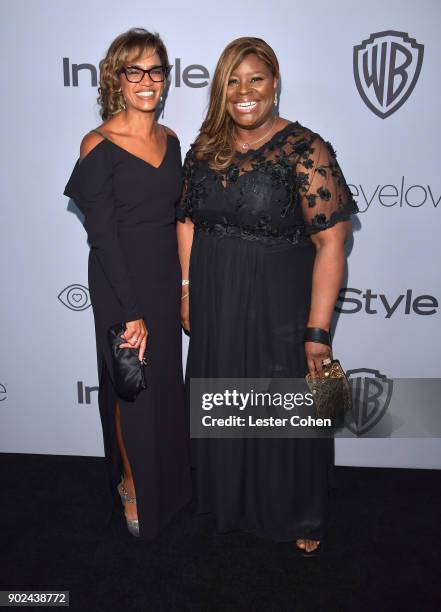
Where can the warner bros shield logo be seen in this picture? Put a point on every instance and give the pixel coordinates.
(386, 69)
(371, 395)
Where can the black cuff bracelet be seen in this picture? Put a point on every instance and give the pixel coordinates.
(317, 334)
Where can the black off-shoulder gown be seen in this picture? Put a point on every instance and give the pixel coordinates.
(251, 269)
(134, 272)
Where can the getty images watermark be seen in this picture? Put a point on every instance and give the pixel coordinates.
(245, 401)
(382, 407)
(254, 408)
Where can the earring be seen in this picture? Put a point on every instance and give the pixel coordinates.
(275, 99)
(121, 101)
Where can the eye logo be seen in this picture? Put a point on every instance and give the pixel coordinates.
(75, 297)
(386, 69)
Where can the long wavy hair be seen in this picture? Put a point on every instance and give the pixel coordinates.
(135, 41)
(215, 141)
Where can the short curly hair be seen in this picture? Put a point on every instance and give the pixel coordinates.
(134, 41)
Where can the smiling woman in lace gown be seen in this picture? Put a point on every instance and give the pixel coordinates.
(265, 215)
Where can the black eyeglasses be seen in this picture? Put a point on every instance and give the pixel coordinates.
(135, 74)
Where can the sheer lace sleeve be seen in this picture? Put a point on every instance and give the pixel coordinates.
(184, 207)
(324, 195)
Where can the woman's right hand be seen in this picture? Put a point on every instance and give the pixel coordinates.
(136, 335)
(185, 309)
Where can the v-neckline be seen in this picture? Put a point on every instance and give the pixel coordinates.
(137, 156)
(268, 142)
(239, 156)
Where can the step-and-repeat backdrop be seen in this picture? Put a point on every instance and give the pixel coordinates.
(364, 75)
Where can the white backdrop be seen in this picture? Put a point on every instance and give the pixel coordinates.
(392, 164)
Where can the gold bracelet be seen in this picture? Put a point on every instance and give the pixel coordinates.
(184, 296)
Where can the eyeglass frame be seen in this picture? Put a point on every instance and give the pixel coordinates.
(166, 69)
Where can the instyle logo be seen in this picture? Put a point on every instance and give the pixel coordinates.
(84, 393)
(3, 392)
(387, 66)
(371, 396)
(193, 75)
(351, 301)
(396, 195)
(75, 297)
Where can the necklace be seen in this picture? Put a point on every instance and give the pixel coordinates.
(246, 145)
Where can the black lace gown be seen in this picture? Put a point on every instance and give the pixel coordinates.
(134, 272)
(251, 271)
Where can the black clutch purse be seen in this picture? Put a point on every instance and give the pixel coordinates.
(129, 373)
(332, 393)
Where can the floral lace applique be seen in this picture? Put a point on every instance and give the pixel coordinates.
(294, 187)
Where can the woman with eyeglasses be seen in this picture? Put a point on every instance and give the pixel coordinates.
(126, 183)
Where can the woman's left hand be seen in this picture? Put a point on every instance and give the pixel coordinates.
(315, 353)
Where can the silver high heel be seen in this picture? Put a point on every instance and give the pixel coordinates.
(132, 524)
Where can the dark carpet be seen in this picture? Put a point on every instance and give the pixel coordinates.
(56, 533)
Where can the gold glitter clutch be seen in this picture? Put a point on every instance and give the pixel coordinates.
(332, 391)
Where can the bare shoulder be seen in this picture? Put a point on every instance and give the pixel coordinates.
(89, 142)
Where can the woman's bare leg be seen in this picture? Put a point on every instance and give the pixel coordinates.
(129, 485)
